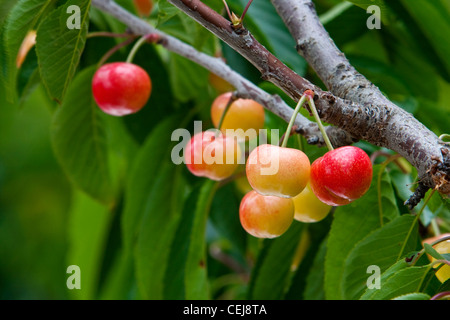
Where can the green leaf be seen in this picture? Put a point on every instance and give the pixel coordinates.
(196, 279)
(225, 218)
(314, 289)
(364, 4)
(152, 208)
(351, 224)
(59, 48)
(398, 280)
(140, 184)
(187, 78)
(270, 275)
(156, 230)
(23, 17)
(432, 17)
(413, 296)
(432, 252)
(88, 229)
(78, 138)
(382, 248)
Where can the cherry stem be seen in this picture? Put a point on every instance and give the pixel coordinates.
(245, 10)
(227, 107)
(317, 118)
(111, 51)
(109, 34)
(135, 48)
(440, 295)
(291, 122)
(228, 9)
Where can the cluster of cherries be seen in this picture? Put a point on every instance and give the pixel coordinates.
(285, 185)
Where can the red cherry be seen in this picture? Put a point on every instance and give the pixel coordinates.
(212, 157)
(121, 88)
(341, 175)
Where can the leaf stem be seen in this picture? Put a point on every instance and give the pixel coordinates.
(227, 8)
(291, 122)
(245, 10)
(109, 34)
(414, 222)
(135, 48)
(111, 51)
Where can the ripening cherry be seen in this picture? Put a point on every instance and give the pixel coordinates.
(341, 176)
(121, 88)
(265, 216)
(308, 208)
(221, 85)
(277, 171)
(242, 114)
(211, 156)
(143, 7)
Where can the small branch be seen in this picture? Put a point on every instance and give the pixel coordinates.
(246, 89)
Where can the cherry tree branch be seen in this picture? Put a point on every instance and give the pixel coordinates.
(357, 107)
(245, 88)
(399, 130)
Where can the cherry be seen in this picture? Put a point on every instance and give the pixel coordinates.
(242, 114)
(143, 7)
(341, 176)
(443, 247)
(277, 171)
(308, 208)
(265, 216)
(211, 156)
(121, 88)
(221, 85)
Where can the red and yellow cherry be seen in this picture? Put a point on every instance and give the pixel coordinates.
(443, 247)
(143, 7)
(265, 216)
(341, 175)
(308, 208)
(121, 88)
(242, 114)
(277, 171)
(211, 156)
